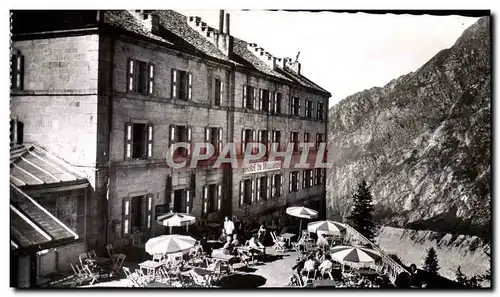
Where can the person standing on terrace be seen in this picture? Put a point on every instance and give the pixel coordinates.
(228, 226)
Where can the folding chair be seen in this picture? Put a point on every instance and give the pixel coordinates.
(92, 254)
(119, 262)
(296, 245)
(111, 251)
(144, 278)
(82, 258)
(78, 276)
(279, 244)
(91, 274)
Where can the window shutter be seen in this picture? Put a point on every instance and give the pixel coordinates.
(219, 143)
(13, 72)
(297, 181)
(149, 210)
(290, 181)
(172, 130)
(261, 99)
(280, 186)
(205, 200)
(221, 92)
(254, 103)
(275, 103)
(128, 141)
(312, 108)
(189, 201)
(298, 107)
(259, 139)
(151, 79)
(243, 138)
(130, 75)
(219, 197)
(310, 178)
(324, 176)
(150, 141)
(189, 139)
(258, 189)
(254, 137)
(315, 173)
(269, 187)
(207, 139)
(253, 191)
(190, 86)
(303, 179)
(175, 87)
(244, 96)
(273, 185)
(292, 105)
(241, 193)
(20, 72)
(169, 193)
(126, 216)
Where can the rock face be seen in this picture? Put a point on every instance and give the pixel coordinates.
(468, 252)
(422, 142)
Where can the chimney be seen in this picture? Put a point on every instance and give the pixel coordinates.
(227, 24)
(155, 24)
(221, 21)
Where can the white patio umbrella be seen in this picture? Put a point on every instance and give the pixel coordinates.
(174, 219)
(301, 212)
(326, 227)
(355, 255)
(169, 244)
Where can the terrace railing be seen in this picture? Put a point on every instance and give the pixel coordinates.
(389, 267)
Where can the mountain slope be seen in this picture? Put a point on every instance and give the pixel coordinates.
(422, 142)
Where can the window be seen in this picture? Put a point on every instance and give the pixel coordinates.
(276, 183)
(214, 136)
(249, 97)
(320, 111)
(277, 138)
(161, 209)
(294, 181)
(295, 106)
(180, 134)
(262, 187)
(306, 137)
(16, 132)
(264, 138)
(218, 87)
(264, 100)
(182, 202)
(277, 103)
(140, 77)
(319, 139)
(309, 108)
(182, 85)
(138, 141)
(247, 187)
(247, 136)
(212, 196)
(294, 138)
(17, 72)
(136, 214)
(67, 206)
(307, 178)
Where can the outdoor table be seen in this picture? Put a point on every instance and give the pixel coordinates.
(287, 237)
(224, 258)
(324, 283)
(150, 267)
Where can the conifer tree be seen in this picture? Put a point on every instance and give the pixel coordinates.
(361, 214)
(431, 261)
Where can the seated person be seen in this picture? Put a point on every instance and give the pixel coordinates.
(223, 236)
(228, 246)
(205, 247)
(322, 242)
(300, 264)
(310, 264)
(320, 256)
(235, 241)
(256, 244)
(325, 265)
(196, 250)
(261, 233)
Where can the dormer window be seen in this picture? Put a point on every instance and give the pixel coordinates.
(17, 72)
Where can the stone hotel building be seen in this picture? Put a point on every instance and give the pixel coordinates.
(103, 94)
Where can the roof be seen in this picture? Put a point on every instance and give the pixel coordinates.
(180, 34)
(34, 227)
(33, 166)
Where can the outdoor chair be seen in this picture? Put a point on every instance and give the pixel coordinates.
(199, 280)
(91, 275)
(327, 272)
(279, 244)
(157, 257)
(144, 278)
(92, 254)
(111, 251)
(78, 276)
(119, 262)
(300, 243)
(164, 275)
(82, 257)
(131, 278)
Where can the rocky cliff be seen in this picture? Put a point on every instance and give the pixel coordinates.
(422, 142)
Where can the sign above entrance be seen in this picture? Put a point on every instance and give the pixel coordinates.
(261, 167)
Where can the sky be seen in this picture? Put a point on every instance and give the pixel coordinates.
(345, 53)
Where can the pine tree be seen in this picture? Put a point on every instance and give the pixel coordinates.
(460, 277)
(431, 262)
(361, 214)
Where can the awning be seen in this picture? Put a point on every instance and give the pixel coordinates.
(32, 227)
(34, 167)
